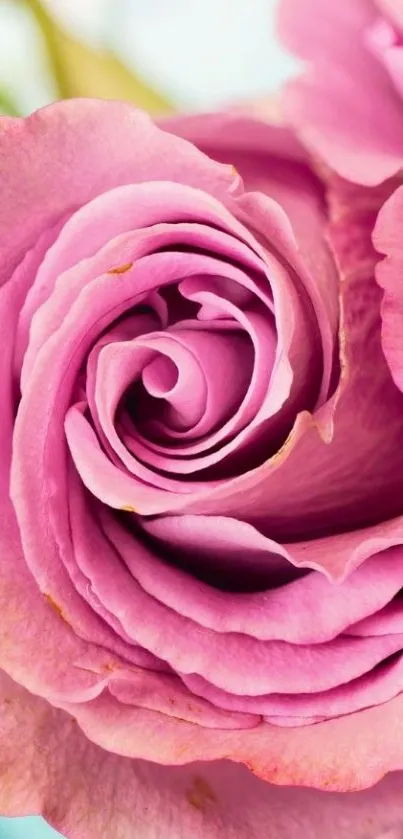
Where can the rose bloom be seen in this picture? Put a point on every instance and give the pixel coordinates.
(201, 487)
(348, 108)
(349, 105)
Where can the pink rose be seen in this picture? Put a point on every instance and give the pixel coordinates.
(199, 558)
(348, 107)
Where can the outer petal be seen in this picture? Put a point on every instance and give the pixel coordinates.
(64, 155)
(49, 767)
(20, 636)
(346, 753)
(345, 108)
(270, 160)
(392, 10)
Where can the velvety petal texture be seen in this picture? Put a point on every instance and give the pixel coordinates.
(84, 792)
(348, 105)
(202, 472)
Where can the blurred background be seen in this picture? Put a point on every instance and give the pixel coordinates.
(162, 55)
(181, 54)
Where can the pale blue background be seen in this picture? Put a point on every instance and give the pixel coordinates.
(34, 828)
(204, 53)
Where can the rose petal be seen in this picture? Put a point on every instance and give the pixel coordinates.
(345, 107)
(272, 163)
(96, 231)
(51, 146)
(346, 753)
(205, 362)
(285, 612)
(46, 628)
(387, 620)
(261, 666)
(363, 368)
(374, 688)
(387, 239)
(198, 800)
(392, 11)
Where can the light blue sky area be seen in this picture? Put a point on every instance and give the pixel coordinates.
(202, 54)
(34, 828)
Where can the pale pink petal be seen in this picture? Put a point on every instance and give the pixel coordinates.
(392, 10)
(344, 107)
(30, 619)
(235, 132)
(373, 688)
(121, 798)
(346, 753)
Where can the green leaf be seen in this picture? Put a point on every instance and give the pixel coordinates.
(7, 105)
(79, 70)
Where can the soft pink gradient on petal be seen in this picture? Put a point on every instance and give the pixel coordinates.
(119, 797)
(392, 10)
(52, 146)
(344, 107)
(320, 756)
(20, 596)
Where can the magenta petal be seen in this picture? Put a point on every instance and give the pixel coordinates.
(386, 621)
(393, 58)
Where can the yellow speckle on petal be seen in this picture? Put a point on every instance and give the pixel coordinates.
(55, 606)
(234, 171)
(121, 269)
(200, 795)
(127, 508)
